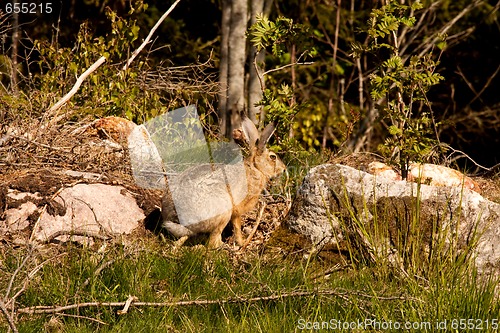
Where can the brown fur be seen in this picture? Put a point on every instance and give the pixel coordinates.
(260, 165)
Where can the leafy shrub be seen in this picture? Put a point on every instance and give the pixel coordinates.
(139, 92)
(400, 84)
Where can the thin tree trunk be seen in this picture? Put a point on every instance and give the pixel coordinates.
(254, 86)
(260, 59)
(362, 137)
(332, 97)
(293, 60)
(268, 4)
(224, 66)
(237, 56)
(14, 54)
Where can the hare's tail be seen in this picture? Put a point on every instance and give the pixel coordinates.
(177, 229)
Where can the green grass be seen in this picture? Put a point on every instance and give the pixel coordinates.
(153, 272)
(265, 290)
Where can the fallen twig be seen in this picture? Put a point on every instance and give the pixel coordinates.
(343, 294)
(13, 277)
(8, 317)
(63, 149)
(329, 271)
(127, 304)
(37, 223)
(29, 276)
(97, 272)
(84, 233)
(55, 309)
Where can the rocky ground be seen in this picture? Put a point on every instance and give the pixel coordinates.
(47, 161)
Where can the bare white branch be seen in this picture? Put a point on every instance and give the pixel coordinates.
(77, 85)
(148, 38)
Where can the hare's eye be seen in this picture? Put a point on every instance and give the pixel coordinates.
(273, 157)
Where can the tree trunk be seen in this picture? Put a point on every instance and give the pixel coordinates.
(224, 65)
(254, 82)
(14, 54)
(236, 57)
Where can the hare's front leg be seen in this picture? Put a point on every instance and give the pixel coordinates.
(236, 221)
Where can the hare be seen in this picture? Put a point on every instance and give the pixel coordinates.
(204, 198)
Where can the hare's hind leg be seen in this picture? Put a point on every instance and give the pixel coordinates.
(236, 222)
(215, 239)
(178, 243)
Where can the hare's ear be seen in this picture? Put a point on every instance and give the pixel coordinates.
(250, 132)
(265, 136)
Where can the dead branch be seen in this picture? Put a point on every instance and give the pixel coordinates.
(4, 23)
(462, 155)
(62, 149)
(84, 233)
(448, 25)
(148, 38)
(343, 294)
(471, 86)
(13, 277)
(195, 78)
(100, 61)
(27, 279)
(37, 223)
(287, 65)
(77, 85)
(8, 317)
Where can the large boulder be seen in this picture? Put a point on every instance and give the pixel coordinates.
(90, 210)
(337, 202)
(81, 212)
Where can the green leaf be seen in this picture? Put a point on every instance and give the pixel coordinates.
(73, 67)
(441, 45)
(339, 70)
(393, 62)
(417, 5)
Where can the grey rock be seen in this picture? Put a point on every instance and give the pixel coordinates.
(336, 202)
(92, 209)
(80, 212)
